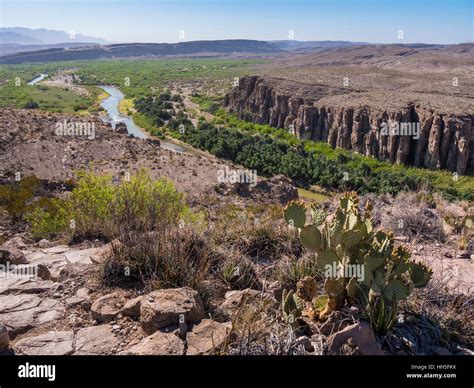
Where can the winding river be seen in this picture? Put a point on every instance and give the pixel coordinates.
(41, 77)
(111, 105)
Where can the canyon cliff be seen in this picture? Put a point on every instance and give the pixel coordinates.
(445, 139)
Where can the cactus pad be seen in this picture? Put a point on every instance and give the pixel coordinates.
(295, 214)
(310, 237)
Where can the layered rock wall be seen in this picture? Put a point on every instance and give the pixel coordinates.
(444, 140)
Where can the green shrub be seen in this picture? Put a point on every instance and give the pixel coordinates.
(98, 208)
(31, 105)
(270, 152)
(48, 220)
(17, 197)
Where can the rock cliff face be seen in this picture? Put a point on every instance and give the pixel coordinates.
(444, 140)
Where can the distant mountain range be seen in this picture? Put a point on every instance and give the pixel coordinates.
(316, 45)
(19, 44)
(144, 50)
(22, 35)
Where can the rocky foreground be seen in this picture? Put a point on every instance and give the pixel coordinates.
(61, 312)
(63, 309)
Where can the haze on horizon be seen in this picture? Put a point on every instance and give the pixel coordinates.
(374, 21)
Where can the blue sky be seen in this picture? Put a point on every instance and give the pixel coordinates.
(434, 21)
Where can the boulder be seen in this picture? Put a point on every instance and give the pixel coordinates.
(158, 344)
(107, 307)
(168, 307)
(43, 272)
(12, 255)
(132, 307)
(207, 337)
(43, 243)
(121, 128)
(15, 242)
(53, 343)
(233, 299)
(361, 334)
(102, 253)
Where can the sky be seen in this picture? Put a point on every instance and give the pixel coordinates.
(374, 21)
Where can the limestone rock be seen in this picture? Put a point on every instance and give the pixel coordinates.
(445, 140)
(22, 312)
(158, 344)
(12, 255)
(43, 243)
(102, 253)
(53, 343)
(233, 299)
(207, 337)
(167, 307)
(95, 340)
(132, 307)
(361, 334)
(15, 242)
(107, 307)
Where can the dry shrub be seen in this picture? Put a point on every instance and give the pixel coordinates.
(257, 330)
(436, 315)
(238, 273)
(414, 219)
(290, 270)
(268, 241)
(165, 258)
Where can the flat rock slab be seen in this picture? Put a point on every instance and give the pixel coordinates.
(11, 281)
(81, 257)
(53, 343)
(158, 344)
(163, 308)
(27, 286)
(22, 312)
(57, 249)
(207, 337)
(56, 258)
(95, 340)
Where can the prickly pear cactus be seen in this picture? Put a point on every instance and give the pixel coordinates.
(295, 214)
(292, 307)
(347, 238)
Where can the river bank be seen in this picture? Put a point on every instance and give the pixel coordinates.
(111, 104)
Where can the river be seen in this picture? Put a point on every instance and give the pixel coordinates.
(41, 77)
(111, 105)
